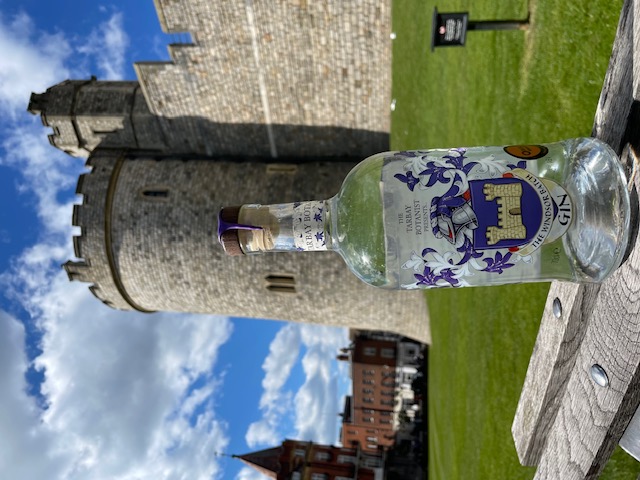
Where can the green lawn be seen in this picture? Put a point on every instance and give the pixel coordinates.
(502, 87)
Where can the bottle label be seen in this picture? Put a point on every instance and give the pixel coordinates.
(475, 216)
(308, 226)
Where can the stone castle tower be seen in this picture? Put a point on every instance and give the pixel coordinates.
(272, 102)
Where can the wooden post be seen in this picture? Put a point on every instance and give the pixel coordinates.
(566, 422)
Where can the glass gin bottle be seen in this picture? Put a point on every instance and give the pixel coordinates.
(458, 217)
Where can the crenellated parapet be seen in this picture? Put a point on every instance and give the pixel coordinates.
(85, 114)
(91, 216)
(277, 65)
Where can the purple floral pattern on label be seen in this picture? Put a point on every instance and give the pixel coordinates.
(466, 216)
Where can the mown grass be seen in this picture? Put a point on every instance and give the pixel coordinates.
(536, 86)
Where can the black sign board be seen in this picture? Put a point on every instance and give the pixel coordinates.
(449, 29)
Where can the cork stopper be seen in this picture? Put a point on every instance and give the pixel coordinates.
(229, 238)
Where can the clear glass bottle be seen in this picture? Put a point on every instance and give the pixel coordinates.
(458, 217)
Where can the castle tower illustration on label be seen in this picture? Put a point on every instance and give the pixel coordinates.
(510, 226)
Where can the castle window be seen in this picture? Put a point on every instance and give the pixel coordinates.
(370, 351)
(319, 476)
(281, 283)
(282, 168)
(98, 132)
(155, 193)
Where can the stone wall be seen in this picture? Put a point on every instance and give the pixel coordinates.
(160, 252)
(275, 66)
(87, 114)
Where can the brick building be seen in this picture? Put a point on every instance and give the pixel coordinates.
(298, 460)
(383, 366)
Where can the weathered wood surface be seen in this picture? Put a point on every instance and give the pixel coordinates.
(566, 423)
(615, 118)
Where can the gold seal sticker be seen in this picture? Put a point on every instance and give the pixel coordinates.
(527, 152)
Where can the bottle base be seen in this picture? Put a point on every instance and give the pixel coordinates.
(596, 242)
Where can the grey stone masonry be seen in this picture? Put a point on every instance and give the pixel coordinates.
(85, 114)
(148, 242)
(274, 64)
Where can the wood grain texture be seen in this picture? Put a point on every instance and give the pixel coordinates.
(617, 96)
(591, 419)
(565, 423)
(552, 359)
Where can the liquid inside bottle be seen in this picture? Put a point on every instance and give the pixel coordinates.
(459, 217)
(484, 215)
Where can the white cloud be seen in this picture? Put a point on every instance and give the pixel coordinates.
(29, 61)
(317, 401)
(32, 61)
(283, 354)
(250, 474)
(107, 44)
(45, 172)
(264, 431)
(316, 404)
(119, 389)
(23, 433)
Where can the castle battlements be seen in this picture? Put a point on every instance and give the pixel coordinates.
(91, 246)
(510, 226)
(85, 114)
(276, 66)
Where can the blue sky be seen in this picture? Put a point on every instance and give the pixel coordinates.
(88, 392)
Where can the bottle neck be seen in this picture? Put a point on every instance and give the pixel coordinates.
(284, 227)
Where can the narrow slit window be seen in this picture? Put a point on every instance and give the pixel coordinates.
(155, 193)
(281, 283)
(282, 168)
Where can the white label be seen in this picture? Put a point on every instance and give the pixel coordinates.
(308, 226)
(464, 217)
